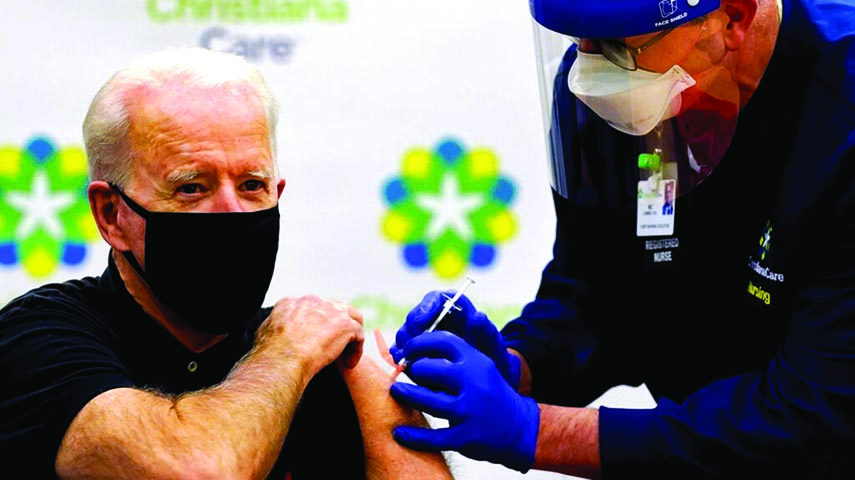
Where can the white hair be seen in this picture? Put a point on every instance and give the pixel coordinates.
(105, 129)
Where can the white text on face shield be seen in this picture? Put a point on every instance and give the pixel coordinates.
(663, 23)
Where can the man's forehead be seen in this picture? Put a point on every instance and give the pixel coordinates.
(179, 133)
(179, 102)
(186, 118)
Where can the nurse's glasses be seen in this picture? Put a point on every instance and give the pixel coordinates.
(620, 53)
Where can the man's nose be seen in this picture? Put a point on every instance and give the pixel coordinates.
(226, 199)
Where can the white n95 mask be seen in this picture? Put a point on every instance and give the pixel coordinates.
(633, 102)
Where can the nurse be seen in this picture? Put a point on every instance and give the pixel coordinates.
(743, 112)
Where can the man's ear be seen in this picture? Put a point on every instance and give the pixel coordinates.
(104, 203)
(280, 187)
(741, 15)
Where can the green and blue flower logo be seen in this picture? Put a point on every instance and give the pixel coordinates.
(44, 211)
(449, 208)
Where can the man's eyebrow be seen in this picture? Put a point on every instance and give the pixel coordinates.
(189, 175)
(182, 176)
(265, 174)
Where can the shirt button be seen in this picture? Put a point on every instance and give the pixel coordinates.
(192, 366)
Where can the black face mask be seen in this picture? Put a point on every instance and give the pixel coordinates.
(212, 269)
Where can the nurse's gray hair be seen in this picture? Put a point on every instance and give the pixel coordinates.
(106, 127)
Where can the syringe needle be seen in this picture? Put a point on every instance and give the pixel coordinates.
(446, 308)
(450, 303)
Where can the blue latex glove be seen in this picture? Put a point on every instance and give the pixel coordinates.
(488, 420)
(467, 323)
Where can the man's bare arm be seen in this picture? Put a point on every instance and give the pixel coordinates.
(568, 441)
(378, 414)
(234, 430)
(525, 373)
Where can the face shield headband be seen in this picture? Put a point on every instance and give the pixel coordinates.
(616, 18)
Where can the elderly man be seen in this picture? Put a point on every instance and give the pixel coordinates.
(166, 366)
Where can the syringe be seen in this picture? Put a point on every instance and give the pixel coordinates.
(446, 308)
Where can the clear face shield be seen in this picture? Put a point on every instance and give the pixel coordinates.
(622, 133)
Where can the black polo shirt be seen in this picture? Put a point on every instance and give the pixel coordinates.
(63, 344)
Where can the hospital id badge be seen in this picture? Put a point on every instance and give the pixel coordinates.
(656, 207)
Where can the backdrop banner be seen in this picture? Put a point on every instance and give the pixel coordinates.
(410, 137)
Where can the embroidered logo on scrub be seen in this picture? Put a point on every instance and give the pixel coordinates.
(756, 289)
(449, 208)
(44, 211)
(765, 241)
